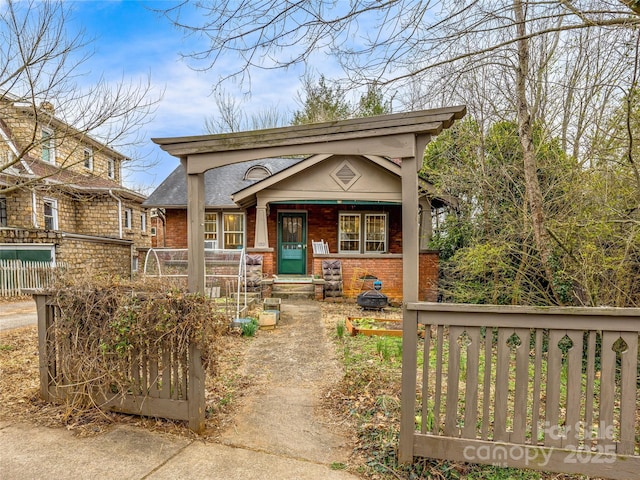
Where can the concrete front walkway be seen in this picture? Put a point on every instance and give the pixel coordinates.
(277, 433)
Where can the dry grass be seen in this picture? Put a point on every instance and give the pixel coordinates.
(19, 391)
(367, 399)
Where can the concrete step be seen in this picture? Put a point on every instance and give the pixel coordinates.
(293, 287)
(293, 295)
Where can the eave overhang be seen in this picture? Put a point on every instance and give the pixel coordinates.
(392, 136)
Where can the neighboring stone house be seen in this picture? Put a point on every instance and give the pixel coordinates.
(62, 198)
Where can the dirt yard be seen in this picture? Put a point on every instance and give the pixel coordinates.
(267, 395)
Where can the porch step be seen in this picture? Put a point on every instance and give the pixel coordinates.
(293, 287)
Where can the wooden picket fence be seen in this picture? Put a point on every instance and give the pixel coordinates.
(164, 384)
(552, 389)
(18, 275)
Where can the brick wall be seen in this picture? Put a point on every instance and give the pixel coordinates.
(158, 241)
(176, 230)
(387, 269)
(322, 223)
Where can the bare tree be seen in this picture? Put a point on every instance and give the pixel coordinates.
(41, 60)
(518, 46)
(232, 117)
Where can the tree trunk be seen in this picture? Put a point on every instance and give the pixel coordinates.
(525, 130)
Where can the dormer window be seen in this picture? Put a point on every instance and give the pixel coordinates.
(257, 172)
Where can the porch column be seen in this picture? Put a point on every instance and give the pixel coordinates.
(261, 239)
(410, 273)
(195, 233)
(426, 225)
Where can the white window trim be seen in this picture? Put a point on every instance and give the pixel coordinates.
(243, 231)
(111, 168)
(86, 151)
(128, 219)
(54, 212)
(362, 240)
(386, 231)
(349, 214)
(220, 240)
(143, 222)
(50, 146)
(216, 223)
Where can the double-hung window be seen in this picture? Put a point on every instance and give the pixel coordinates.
(88, 158)
(143, 222)
(128, 218)
(233, 227)
(3, 211)
(48, 150)
(211, 229)
(375, 232)
(229, 234)
(111, 168)
(350, 232)
(362, 232)
(50, 214)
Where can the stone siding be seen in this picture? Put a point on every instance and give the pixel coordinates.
(82, 255)
(95, 257)
(88, 219)
(69, 150)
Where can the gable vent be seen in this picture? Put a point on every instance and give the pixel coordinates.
(345, 175)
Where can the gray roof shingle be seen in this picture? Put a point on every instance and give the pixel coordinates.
(220, 183)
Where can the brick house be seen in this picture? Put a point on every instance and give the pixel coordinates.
(62, 198)
(277, 208)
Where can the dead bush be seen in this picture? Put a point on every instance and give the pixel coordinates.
(103, 330)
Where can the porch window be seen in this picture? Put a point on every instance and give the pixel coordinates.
(3, 211)
(233, 227)
(375, 233)
(363, 233)
(349, 232)
(50, 214)
(210, 226)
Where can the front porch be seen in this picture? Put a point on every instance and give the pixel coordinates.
(294, 227)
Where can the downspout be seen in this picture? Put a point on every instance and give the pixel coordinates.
(119, 212)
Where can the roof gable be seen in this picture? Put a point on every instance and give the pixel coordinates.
(335, 177)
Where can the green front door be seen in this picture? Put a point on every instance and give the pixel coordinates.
(292, 243)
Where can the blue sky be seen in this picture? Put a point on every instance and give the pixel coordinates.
(132, 42)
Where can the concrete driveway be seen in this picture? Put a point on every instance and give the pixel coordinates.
(15, 314)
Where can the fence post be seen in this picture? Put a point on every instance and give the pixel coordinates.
(196, 390)
(43, 354)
